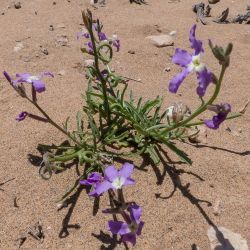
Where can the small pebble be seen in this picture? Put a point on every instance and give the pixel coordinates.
(18, 47)
(167, 69)
(217, 207)
(44, 51)
(51, 27)
(172, 33)
(54, 3)
(213, 1)
(17, 5)
(61, 72)
(131, 52)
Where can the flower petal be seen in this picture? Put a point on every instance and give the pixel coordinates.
(21, 116)
(140, 226)
(128, 182)
(47, 73)
(177, 80)
(23, 76)
(194, 43)
(129, 237)
(111, 173)
(204, 78)
(219, 118)
(126, 170)
(135, 212)
(118, 227)
(102, 36)
(93, 178)
(181, 57)
(8, 77)
(38, 85)
(103, 187)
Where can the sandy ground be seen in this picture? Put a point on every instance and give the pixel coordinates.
(220, 171)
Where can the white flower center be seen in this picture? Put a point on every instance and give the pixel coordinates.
(196, 64)
(118, 182)
(32, 78)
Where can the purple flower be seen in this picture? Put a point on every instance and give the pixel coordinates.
(34, 80)
(115, 179)
(131, 228)
(93, 180)
(22, 116)
(102, 36)
(82, 34)
(116, 42)
(90, 47)
(191, 62)
(222, 112)
(8, 77)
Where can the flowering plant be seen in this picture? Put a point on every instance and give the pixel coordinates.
(115, 122)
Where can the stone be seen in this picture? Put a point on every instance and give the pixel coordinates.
(228, 240)
(61, 72)
(217, 207)
(172, 33)
(62, 40)
(44, 51)
(18, 47)
(17, 5)
(161, 40)
(167, 69)
(131, 52)
(51, 27)
(213, 1)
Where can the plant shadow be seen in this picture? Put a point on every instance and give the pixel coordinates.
(175, 174)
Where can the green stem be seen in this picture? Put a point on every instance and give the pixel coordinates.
(202, 122)
(52, 122)
(103, 82)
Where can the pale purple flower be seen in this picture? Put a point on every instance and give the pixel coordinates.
(191, 62)
(82, 34)
(90, 47)
(93, 180)
(102, 36)
(116, 179)
(131, 228)
(116, 42)
(22, 116)
(222, 111)
(34, 80)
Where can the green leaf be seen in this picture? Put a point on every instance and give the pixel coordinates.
(182, 155)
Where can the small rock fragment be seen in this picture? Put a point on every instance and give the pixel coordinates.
(217, 207)
(18, 47)
(131, 52)
(44, 51)
(172, 33)
(51, 27)
(17, 5)
(62, 40)
(61, 72)
(228, 240)
(161, 40)
(213, 1)
(167, 69)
